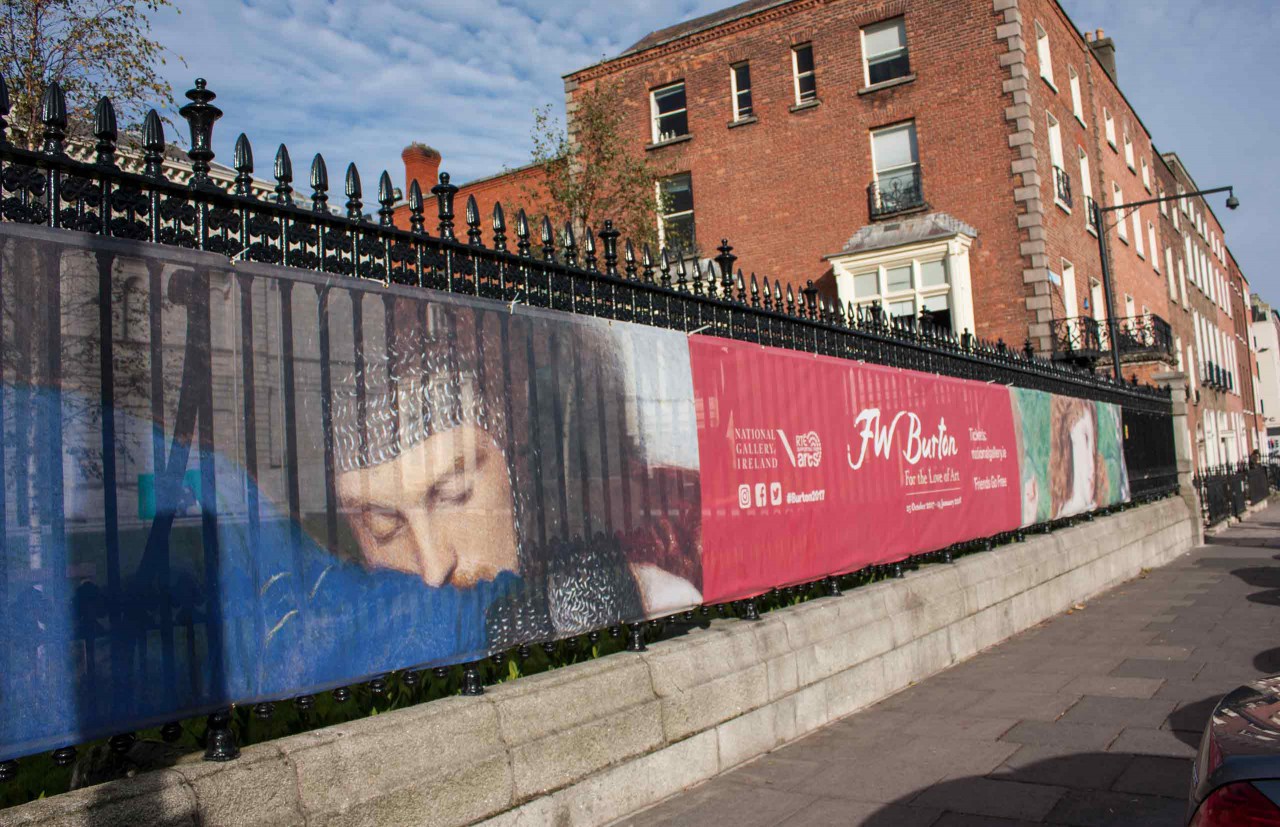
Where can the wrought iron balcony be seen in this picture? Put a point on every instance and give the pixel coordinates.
(1144, 337)
(898, 194)
(1083, 340)
(1061, 186)
(1078, 339)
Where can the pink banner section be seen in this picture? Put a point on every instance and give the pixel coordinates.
(813, 465)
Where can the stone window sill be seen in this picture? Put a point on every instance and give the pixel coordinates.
(660, 144)
(1062, 205)
(800, 107)
(887, 84)
(750, 119)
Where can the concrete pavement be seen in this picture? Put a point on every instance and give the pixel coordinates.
(1090, 719)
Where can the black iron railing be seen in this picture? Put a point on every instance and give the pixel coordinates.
(1084, 340)
(1259, 483)
(1061, 186)
(600, 275)
(1144, 337)
(525, 263)
(1150, 455)
(1078, 339)
(1226, 490)
(898, 194)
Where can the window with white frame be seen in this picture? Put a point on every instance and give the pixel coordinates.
(1109, 124)
(1164, 205)
(1070, 307)
(1137, 234)
(1168, 270)
(1128, 149)
(884, 49)
(806, 81)
(1146, 175)
(904, 290)
(1117, 198)
(1151, 243)
(895, 158)
(1061, 185)
(1182, 282)
(669, 111)
(1077, 108)
(740, 86)
(1042, 52)
(1086, 187)
(676, 226)
(1199, 335)
(1128, 306)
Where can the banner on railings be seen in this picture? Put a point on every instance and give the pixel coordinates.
(813, 465)
(231, 483)
(268, 484)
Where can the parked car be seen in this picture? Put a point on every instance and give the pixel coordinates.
(1235, 781)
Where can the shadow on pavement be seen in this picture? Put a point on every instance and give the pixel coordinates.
(1267, 661)
(1188, 721)
(1089, 789)
(1264, 577)
(1241, 542)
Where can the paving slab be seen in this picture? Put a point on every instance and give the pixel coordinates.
(1090, 719)
(1063, 766)
(1089, 736)
(992, 797)
(1154, 775)
(1113, 687)
(1129, 711)
(1110, 809)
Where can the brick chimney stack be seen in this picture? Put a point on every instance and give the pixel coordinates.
(1104, 48)
(422, 163)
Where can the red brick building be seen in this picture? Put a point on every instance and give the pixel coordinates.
(938, 157)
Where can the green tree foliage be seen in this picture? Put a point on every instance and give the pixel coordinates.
(592, 169)
(91, 47)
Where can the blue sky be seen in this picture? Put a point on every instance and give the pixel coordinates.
(357, 81)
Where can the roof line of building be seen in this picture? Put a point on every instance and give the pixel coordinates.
(1114, 84)
(500, 173)
(1165, 156)
(715, 23)
(631, 51)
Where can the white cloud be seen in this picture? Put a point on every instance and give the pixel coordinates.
(359, 81)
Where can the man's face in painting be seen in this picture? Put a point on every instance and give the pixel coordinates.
(441, 509)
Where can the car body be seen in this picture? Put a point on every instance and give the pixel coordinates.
(1236, 776)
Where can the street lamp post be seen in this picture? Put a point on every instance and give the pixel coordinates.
(1101, 233)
